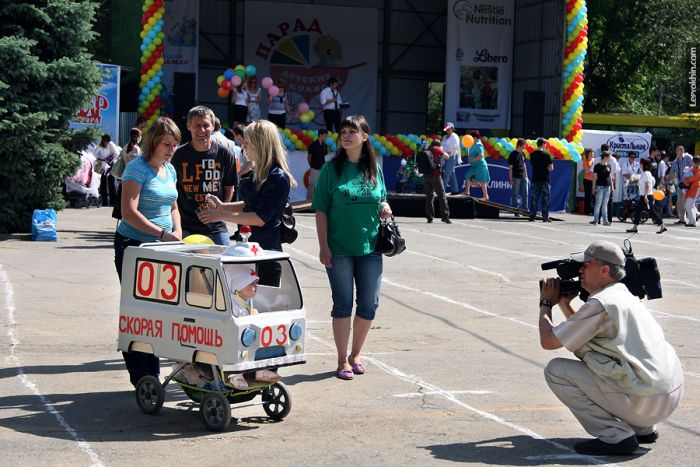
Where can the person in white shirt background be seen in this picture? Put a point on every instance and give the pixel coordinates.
(331, 104)
(450, 144)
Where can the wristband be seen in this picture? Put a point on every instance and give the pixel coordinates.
(547, 303)
(162, 231)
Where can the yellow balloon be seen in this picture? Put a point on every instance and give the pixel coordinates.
(659, 195)
(197, 239)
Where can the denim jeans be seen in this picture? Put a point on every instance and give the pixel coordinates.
(219, 238)
(602, 195)
(520, 188)
(366, 273)
(448, 175)
(539, 193)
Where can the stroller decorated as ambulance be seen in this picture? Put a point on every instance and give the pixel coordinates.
(229, 317)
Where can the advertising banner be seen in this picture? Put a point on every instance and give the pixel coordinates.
(103, 112)
(500, 189)
(181, 50)
(620, 142)
(305, 45)
(479, 63)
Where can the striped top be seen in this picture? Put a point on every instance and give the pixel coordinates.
(155, 200)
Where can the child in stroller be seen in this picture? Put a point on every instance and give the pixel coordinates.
(82, 189)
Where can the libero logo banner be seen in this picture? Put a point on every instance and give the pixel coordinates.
(304, 45)
(479, 64)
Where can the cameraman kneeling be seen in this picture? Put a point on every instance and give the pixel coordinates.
(628, 377)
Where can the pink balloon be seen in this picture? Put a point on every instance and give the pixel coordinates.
(274, 90)
(303, 108)
(236, 80)
(267, 82)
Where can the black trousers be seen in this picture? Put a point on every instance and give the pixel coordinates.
(641, 205)
(278, 119)
(432, 185)
(332, 118)
(588, 197)
(138, 364)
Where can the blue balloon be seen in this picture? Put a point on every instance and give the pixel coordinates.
(250, 71)
(329, 141)
(228, 74)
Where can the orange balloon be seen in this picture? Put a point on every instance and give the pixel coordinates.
(223, 93)
(659, 195)
(467, 141)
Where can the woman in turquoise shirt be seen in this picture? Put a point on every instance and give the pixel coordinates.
(149, 214)
(349, 200)
(478, 171)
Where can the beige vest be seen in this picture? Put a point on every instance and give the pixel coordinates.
(638, 361)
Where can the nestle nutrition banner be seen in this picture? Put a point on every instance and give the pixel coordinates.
(479, 63)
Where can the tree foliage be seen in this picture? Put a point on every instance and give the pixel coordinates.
(47, 75)
(637, 54)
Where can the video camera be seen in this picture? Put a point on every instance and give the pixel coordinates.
(642, 276)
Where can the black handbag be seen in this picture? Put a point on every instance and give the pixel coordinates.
(390, 242)
(288, 232)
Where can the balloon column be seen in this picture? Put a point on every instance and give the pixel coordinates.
(151, 59)
(572, 78)
(300, 140)
(233, 77)
(559, 149)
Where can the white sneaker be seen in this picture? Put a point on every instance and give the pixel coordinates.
(238, 381)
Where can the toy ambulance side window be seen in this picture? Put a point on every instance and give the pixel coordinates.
(199, 290)
(220, 298)
(157, 281)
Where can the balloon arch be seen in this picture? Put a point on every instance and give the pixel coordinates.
(566, 148)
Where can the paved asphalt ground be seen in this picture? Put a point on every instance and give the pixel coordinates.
(454, 367)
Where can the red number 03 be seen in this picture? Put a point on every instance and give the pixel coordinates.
(266, 335)
(283, 334)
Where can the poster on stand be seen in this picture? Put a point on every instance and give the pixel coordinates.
(479, 63)
(306, 44)
(181, 50)
(103, 111)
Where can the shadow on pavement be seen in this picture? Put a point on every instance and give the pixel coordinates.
(518, 450)
(301, 378)
(90, 367)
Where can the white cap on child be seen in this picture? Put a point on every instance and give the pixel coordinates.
(243, 278)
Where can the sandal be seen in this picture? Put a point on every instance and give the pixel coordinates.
(267, 376)
(344, 374)
(357, 368)
(662, 229)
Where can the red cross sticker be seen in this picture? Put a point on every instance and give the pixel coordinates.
(254, 249)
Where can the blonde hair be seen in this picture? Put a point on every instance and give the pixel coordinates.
(269, 150)
(160, 128)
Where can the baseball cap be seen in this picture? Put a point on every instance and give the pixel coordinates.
(243, 278)
(602, 251)
(449, 125)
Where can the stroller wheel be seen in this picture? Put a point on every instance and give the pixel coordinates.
(277, 402)
(98, 201)
(216, 411)
(150, 395)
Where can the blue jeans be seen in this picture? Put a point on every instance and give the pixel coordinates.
(539, 194)
(602, 195)
(219, 238)
(520, 188)
(448, 175)
(366, 272)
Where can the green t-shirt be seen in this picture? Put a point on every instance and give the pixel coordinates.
(352, 207)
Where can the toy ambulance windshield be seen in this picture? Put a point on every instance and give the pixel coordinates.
(184, 302)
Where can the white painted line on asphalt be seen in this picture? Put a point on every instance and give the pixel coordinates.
(687, 284)
(449, 395)
(437, 258)
(12, 359)
(456, 303)
(432, 393)
(474, 244)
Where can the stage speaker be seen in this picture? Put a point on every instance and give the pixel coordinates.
(533, 114)
(183, 100)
